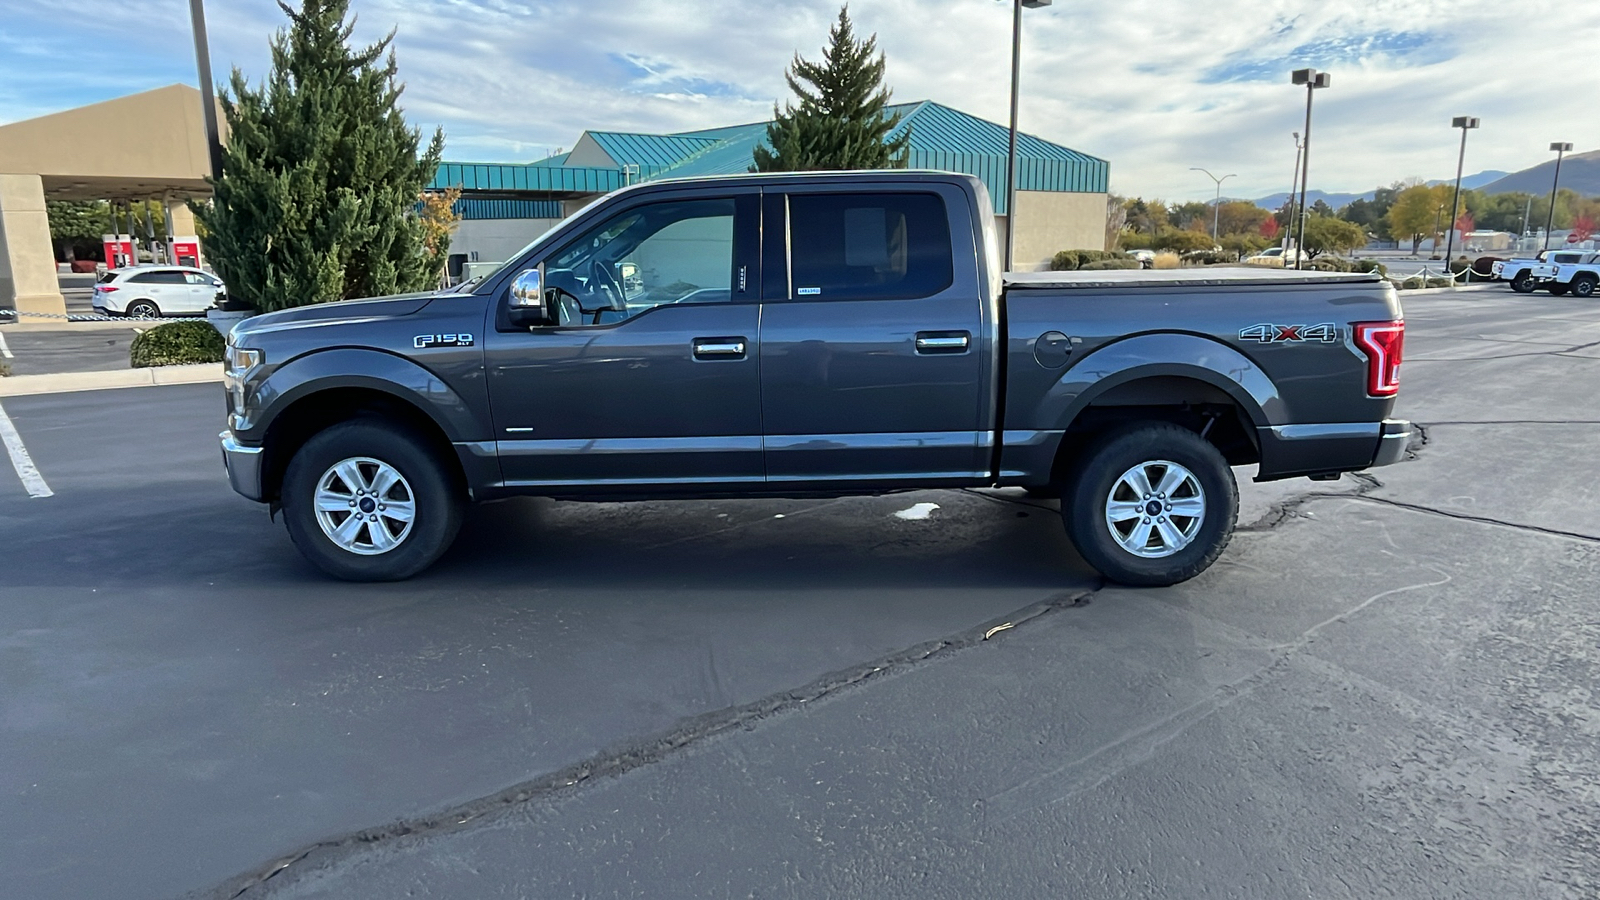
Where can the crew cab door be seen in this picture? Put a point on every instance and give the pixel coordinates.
(648, 377)
(874, 355)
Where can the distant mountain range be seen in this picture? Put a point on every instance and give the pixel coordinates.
(1579, 172)
(1471, 182)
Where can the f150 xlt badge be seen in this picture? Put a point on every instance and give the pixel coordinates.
(1326, 333)
(441, 340)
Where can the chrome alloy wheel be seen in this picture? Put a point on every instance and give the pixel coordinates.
(365, 506)
(1155, 509)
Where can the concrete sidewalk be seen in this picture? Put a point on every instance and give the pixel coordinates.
(64, 382)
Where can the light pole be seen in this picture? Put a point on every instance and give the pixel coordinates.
(1312, 79)
(1216, 208)
(1011, 153)
(208, 100)
(1465, 123)
(1288, 229)
(1550, 220)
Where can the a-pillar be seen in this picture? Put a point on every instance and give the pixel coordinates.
(27, 260)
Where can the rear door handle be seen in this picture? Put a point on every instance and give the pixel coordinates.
(943, 341)
(719, 348)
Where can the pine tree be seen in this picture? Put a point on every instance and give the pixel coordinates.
(840, 122)
(321, 177)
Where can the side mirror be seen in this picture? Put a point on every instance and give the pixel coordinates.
(527, 299)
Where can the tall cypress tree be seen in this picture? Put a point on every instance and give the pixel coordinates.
(321, 175)
(840, 122)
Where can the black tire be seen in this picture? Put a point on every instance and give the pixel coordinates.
(438, 501)
(1097, 476)
(1584, 285)
(143, 309)
(1524, 283)
(1558, 289)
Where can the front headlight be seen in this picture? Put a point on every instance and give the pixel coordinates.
(239, 360)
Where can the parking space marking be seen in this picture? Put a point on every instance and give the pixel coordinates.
(4, 350)
(31, 479)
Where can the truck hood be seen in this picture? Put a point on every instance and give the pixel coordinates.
(340, 312)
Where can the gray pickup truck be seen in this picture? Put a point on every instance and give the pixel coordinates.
(816, 334)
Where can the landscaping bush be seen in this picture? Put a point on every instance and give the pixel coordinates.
(1134, 240)
(1330, 264)
(1166, 259)
(1371, 265)
(1101, 265)
(1064, 261)
(1209, 257)
(177, 344)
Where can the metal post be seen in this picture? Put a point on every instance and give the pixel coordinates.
(1011, 152)
(208, 100)
(1465, 123)
(1288, 227)
(1550, 220)
(1527, 210)
(1305, 176)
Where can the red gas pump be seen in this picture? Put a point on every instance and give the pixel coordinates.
(118, 250)
(184, 251)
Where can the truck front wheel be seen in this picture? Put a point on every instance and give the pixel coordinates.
(1524, 283)
(1151, 505)
(368, 501)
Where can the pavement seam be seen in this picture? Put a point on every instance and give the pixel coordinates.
(629, 756)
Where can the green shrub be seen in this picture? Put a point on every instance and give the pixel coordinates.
(1182, 241)
(1371, 265)
(1134, 240)
(1440, 282)
(176, 344)
(1330, 264)
(1101, 265)
(1210, 257)
(1065, 261)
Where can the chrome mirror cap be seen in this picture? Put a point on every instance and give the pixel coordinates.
(527, 298)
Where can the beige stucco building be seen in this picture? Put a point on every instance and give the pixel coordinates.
(70, 156)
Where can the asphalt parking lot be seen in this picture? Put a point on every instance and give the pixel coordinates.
(1387, 687)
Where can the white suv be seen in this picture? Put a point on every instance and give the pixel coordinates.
(152, 291)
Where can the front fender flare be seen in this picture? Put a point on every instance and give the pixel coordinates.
(375, 370)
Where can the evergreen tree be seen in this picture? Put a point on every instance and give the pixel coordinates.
(321, 175)
(840, 122)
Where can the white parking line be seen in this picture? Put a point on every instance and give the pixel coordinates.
(31, 479)
(4, 350)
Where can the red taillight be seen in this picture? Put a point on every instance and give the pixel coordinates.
(104, 288)
(1383, 343)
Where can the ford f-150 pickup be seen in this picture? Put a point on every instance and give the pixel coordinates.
(809, 335)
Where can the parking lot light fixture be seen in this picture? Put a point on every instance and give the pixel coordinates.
(208, 100)
(1216, 208)
(1011, 153)
(1313, 80)
(1550, 220)
(1466, 124)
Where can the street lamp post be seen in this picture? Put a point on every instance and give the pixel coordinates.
(1550, 220)
(1011, 152)
(208, 100)
(1288, 230)
(1465, 123)
(1216, 208)
(1312, 79)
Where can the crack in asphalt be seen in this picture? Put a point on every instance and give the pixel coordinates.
(627, 757)
(1562, 352)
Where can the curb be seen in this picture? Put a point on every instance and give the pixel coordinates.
(66, 382)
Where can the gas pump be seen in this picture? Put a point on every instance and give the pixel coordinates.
(184, 250)
(118, 250)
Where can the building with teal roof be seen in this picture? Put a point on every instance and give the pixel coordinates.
(1061, 195)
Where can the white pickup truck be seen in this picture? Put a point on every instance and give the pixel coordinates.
(1581, 276)
(1529, 274)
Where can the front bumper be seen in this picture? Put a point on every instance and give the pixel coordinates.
(1392, 442)
(244, 466)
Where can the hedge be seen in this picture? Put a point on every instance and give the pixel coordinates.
(177, 344)
(1067, 260)
(1101, 265)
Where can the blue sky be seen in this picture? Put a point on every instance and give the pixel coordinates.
(1155, 86)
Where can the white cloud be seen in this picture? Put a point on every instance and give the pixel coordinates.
(1155, 86)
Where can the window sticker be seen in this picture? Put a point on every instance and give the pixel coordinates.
(809, 291)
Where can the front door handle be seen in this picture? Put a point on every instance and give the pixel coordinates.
(943, 341)
(719, 348)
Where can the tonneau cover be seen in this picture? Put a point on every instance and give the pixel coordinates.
(1222, 276)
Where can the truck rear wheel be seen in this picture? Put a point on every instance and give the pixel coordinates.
(1524, 283)
(1584, 285)
(367, 501)
(1151, 505)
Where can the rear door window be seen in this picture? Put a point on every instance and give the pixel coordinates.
(888, 246)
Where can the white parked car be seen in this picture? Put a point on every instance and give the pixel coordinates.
(152, 291)
(1273, 256)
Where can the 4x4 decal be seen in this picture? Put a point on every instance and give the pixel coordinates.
(1326, 333)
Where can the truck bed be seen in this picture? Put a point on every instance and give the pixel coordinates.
(1219, 276)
